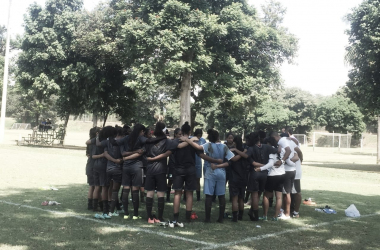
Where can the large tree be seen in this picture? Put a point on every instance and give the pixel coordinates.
(207, 50)
(48, 64)
(340, 115)
(363, 54)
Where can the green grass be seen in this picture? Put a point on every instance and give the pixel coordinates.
(333, 179)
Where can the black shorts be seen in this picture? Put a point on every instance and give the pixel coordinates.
(156, 182)
(90, 180)
(237, 191)
(114, 175)
(288, 181)
(133, 175)
(190, 182)
(275, 183)
(256, 181)
(296, 187)
(100, 178)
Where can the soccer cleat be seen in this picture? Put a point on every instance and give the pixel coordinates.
(114, 214)
(156, 220)
(120, 211)
(294, 215)
(136, 217)
(274, 219)
(99, 216)
(173, 224)
(284, 217)
(264, 218)
(126, 217)
(193, 216)
(151, 221)
(106, 216)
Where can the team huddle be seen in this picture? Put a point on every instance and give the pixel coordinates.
(143, 163)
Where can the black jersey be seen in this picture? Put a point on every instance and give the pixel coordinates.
(239, 173)
(90, 161)
(99, 163)
(126, 148)
(185, 159)
(155, 147)
(114, 151)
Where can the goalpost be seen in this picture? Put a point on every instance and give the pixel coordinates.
(334, 140)
(302, 138)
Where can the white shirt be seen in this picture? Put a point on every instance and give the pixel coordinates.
(273, 171)
(284, 143)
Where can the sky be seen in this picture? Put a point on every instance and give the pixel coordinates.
(318, 24)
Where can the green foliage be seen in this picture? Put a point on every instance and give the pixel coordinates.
(301, 107)
(232, 55)
(48, 65)
(363, 54)
(25, 108)
(339, 114)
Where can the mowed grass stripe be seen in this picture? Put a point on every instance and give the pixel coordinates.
(130, 228)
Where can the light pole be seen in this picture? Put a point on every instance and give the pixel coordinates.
(5, 80)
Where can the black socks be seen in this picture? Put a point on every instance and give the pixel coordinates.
(95, 205)
(114, 200)
(222, 207)
(208, 204)
(168, 193)
(149, 206)
(256, 214)
(125, 201)
(161, 205)
(188, 216)
(89, 204)
(176, 215)
(235, 216)
(105, 207)
(198, 195)
(240, 217)
(136, 203)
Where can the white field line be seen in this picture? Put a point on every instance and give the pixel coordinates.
(270, 235)
(129, 228)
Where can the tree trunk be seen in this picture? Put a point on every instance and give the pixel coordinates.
(105, 118)
(65, 128)
(185, 99)
(94, 119)
(37, 118)
(378, 140)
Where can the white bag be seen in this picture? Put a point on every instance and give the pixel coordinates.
(352, 211)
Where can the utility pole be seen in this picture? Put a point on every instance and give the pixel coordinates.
(5, 80)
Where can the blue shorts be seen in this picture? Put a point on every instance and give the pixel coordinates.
(212, 187)
(198, 171)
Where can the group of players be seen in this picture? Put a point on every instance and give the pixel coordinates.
(137, 160)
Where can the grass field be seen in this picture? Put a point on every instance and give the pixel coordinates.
(334, 179)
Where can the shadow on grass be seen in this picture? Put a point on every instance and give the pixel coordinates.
(346, 166)
(36, 229)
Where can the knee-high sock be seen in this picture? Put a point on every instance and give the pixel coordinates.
(149, 206)
(114, 200)
(208, 204)
(125, 201)
(95, 205)
(136, 202)
(198, 195)
(168, 193)
(161, 206)
(222, 207)
(105, 207)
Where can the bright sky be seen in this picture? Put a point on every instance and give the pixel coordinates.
(319, 67)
